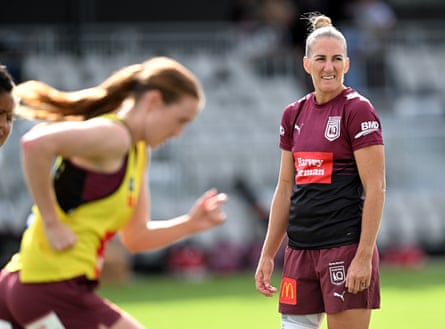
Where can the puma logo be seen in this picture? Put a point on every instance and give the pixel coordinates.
(298, 128)
(341, 296)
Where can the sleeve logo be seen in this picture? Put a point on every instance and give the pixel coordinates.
(367, 127)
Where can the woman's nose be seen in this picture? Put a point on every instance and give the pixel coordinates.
(329, 65)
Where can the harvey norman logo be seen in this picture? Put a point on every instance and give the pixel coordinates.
(313, 167)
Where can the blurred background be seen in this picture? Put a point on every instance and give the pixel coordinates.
(248, 55)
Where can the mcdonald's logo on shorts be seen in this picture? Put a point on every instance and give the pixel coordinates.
(288, 291)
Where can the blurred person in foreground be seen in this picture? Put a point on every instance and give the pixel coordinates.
(329, 197)
(7, 104)
(86, 172)
(14, 199)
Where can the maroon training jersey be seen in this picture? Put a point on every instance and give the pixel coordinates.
(327, 199)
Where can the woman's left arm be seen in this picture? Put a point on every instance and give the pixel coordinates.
(371, 167)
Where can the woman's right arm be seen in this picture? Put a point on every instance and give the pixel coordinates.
(37, 159)
(278, 220)
(80, 140)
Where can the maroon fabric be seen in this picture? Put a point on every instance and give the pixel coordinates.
(75, 186)
(328, 196)
(74, 301)
(313, 281)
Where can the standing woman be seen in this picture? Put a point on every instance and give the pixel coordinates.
(7, 104)
(329, 197)
(86, 174)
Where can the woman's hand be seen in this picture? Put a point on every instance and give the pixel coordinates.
(263, 276)
(207, 211)
(59, 236)
(359, 274)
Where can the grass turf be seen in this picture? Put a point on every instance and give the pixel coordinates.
(411, 298)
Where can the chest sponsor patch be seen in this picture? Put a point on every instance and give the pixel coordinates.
(313, 167)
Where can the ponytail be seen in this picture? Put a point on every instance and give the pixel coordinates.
(43, 102)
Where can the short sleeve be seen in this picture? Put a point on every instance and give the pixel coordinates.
(288, 119)
(364, 125)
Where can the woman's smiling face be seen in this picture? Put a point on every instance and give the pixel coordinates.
(327, 64)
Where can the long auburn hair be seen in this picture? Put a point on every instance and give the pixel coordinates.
(44, 102)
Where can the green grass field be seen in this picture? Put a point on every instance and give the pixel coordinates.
(411, 299)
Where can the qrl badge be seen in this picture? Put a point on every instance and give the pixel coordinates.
(332, 131)
(337, 273)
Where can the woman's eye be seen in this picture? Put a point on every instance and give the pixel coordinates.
(8, 116)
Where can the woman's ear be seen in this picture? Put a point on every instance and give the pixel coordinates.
(306, 65)
(347, 65)
(153, 99)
